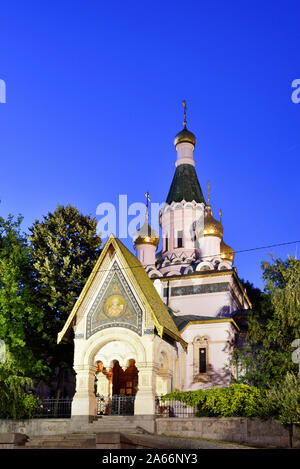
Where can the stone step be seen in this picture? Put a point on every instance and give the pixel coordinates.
(110, 428)
(116, 424)
(63, 436)
(115, 429)
(116, 418)
(50, 442)
(67, 441)
(59, 445)
(111, 424)
(85, 438)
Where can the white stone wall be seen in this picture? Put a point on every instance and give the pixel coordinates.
(175, 218)
(204, 304)
(220, 336)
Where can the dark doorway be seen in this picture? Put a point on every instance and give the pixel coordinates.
(125, 382)
(124, 389)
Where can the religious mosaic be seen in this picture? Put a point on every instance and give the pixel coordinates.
(198, 289)
(114, 306)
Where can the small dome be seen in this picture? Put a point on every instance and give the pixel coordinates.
(226, 252)
(185, 136)
(146, 235)
(212, 227)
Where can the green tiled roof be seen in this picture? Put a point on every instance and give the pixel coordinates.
(185, 186)
(158, 309)
(182, 321)
(148, 294)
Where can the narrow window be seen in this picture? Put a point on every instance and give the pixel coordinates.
(202, 360)
(179, 239)
(166, 244)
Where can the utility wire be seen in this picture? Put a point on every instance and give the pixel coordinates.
(213, 255)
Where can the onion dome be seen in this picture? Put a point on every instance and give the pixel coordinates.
(146, 235)
(211, 227)
(226, 252)
(185, 136)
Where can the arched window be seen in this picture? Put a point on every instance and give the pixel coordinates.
(165, 241)
(201, 356)
(180, 239)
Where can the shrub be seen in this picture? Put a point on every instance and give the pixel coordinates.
(283, 401)
(238, 400)
(14, 401)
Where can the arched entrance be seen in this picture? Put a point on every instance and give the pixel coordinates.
(106, 346)
(116, 388)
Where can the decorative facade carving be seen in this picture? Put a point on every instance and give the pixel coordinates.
(114, 306)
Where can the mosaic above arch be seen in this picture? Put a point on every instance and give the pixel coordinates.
(114, 306)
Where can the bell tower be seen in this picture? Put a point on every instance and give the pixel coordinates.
(184, 205)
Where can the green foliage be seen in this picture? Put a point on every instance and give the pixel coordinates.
(65, 247)
(254, 294)
(274, 323)
(20, 317)
(238, 400)
(14, 401)
(283, 401)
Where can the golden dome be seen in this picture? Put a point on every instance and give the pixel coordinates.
(146, 235)
(185, 136)
(226, 252)
(212, 227)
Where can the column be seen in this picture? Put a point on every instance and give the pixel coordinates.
(84, 400)
(145, 397)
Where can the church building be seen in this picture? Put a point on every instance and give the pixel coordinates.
(150, 323)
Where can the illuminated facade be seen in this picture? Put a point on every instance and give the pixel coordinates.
(153, 323)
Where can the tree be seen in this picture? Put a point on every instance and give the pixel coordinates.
(255, 295)
(274, 323)
(20, 318)
(65, 247)
(283, 400)
(15, 402)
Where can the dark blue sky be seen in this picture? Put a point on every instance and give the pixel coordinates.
(94, 92)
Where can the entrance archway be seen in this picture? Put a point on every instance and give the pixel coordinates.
(113, 344)
(117, 387)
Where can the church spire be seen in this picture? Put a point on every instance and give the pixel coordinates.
(185, 136)
(146, 239)
(185, 184)
(147, 195)
(208, 193)
(184, 113)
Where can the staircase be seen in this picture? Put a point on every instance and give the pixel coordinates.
(69, 441)
(86, 439)
(116, 423)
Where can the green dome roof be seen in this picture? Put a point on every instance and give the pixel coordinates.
(185, 186)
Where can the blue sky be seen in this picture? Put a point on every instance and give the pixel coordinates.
(94, 93)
